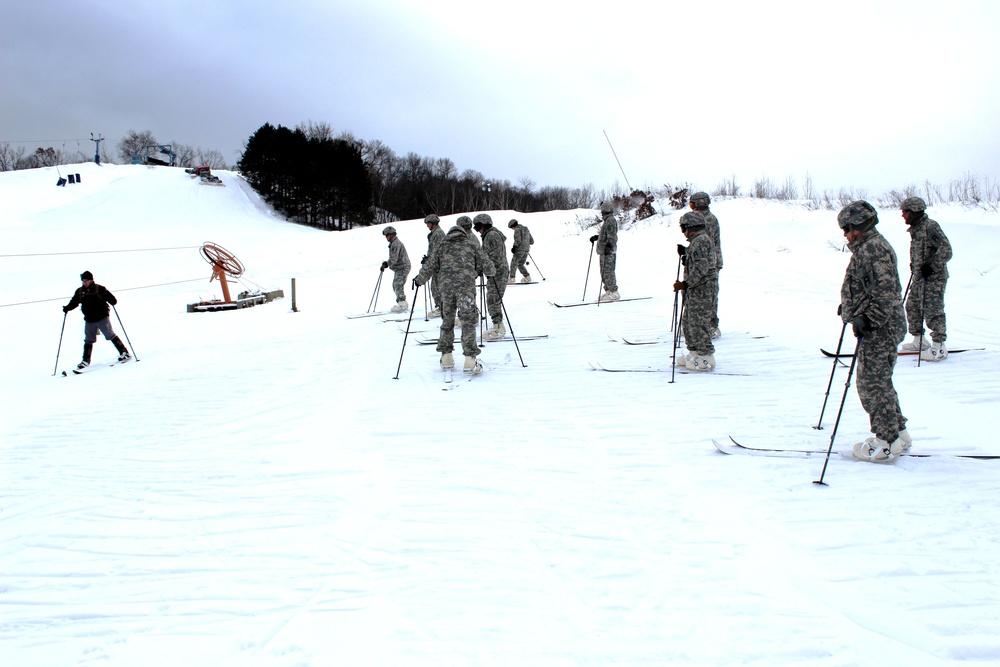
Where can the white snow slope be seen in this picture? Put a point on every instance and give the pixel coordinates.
(259, 489)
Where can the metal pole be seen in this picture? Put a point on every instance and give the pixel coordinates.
(589, 262)
(850, 372)
(374, 300)
(125, 333)
(59, 349)
(416, 288)
(836, 360)
(617, 160)
(677, 338)
(504, 308)
(536, 265)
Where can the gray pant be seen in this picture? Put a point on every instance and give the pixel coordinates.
(90, 330)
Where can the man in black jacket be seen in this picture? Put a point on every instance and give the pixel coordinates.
(93, 300)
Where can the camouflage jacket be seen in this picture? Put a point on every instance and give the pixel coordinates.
(928, 245)
(607, 240)
(871, 286)
(699, 261)
(522, 239)
(712, 227)
(495, 250)
(398, 259)
(456, 263)
(434, 239)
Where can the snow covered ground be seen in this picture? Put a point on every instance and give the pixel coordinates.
(259, 489)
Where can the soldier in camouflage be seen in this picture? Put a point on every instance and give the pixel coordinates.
(607, 249)
(519, 251)
(930, 251)
(699, 202)
(399, 263)
(700, 276)
(495, 251)
(871, 301)
(434, 237)
(465, 222)
(456, 263)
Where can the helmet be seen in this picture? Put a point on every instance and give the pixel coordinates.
(692, 220)
(607, 207)
(86, 275)
(432, 219)
(484, 219)
(915, 204)
(700, 199)
(388, 230)
(512, 224)
(859, 215)
(464, 222)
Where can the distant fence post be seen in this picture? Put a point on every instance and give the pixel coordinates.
(295, 308)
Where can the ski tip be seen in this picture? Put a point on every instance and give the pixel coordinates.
(64, 374)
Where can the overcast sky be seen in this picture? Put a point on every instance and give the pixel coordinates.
(875, 94)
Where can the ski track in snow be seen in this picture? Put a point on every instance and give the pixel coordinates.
(258, 489)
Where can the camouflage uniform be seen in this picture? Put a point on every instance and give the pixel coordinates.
(456, 263)
(699, 202)
(701, 278)
(495, 250)
(519, 251)
(929, 247)
(871, 291)
(607, 248)
(434, 239)
(399, 263)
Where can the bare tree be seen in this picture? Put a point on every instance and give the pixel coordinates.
(134, 142)
(11, 158)
(212, 159)
(318, 130)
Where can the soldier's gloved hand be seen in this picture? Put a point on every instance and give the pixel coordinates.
(681, 249)
(414, 284)
(385, 265)
(680, 285)
(861, 325)
(423, 260)
(513, 249)
(926, 270)
(593, 239)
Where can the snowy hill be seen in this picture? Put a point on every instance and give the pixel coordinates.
(258, 489)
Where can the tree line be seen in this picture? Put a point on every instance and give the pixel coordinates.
(312, 176)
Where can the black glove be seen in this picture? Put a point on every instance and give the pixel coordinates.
(681, 249)
(423, 260)
(680, 285)
(65, 309)
(926, 270)
(414, 284)
(513, 249)
(861, 325)
(593, 239)
(385, 265)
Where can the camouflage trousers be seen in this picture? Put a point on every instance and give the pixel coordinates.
(876, 359)
(608, 277)
(926, 304)
(697, 321)
(517, 263)
(435, 289)
(715, 306)
(399, 283)
(495, 288)
(462, 303)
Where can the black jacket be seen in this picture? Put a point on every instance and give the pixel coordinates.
(93, 301)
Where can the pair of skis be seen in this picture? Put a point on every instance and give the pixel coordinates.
(733, 447)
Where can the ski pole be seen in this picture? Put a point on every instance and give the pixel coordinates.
(416, 288)
(677, 338)
(836, 359)
(673, 321)
(589, 262)
(907, 292)
(374, 299)
(920, 345)
(59, 349)
(536, 265)
(427, 311)
(850, 372)
(507, 316)
(125, 333)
